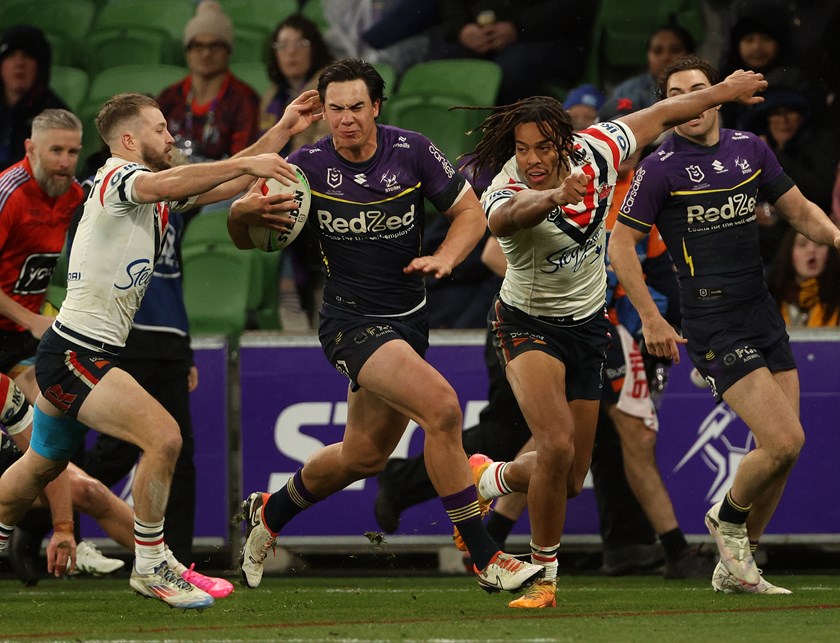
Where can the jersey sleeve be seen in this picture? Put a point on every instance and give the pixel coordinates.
(500, 191)
(612, 139)
(645, 198)
(117, 190)
(442, 184)
(774, 182)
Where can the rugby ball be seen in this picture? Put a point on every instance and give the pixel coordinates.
(269, 240)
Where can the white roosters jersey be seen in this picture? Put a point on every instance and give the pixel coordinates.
(556, 269)
(113, 256)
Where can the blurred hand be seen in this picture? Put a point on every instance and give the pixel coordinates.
(429, 265)
(573, 188)
(745, 85)
(61, 552)
(271, 165)
(39, 326)
(476, 38)
(192, 379)
(301, 113)
(502, 35)
(255, 208)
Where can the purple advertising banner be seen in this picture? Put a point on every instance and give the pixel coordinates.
(293, 402)
(209, 411)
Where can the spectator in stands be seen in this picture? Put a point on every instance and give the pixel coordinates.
(582, 103)
(533, 41)
(758, 41)
(211, 113)
(665, 45)
(806, 152)
(805, 281)
(394, 32)
(25, 60)
(814, 47)
(295, 56)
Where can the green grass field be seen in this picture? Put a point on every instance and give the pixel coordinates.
(590, 608)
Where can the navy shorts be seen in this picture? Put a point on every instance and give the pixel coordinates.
(66, 372)
(16, 347)
(580, 345)
(727, 346)
(348, 340)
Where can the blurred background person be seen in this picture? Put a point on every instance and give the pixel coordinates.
(805, 281)
(665, 45)
(394, 32)
(295, 56)
(582, 103)
(25, 61)
(806, 151)
(533, 41)
(211, 114)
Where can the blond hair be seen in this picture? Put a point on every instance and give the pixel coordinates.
(119, 109)
(56, 119)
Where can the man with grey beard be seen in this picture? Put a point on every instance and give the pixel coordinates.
(38, 196)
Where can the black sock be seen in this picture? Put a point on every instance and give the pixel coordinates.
(730, 511)
(499, 527)
(674, 544)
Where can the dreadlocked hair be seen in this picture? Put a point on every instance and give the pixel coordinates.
(498, 144)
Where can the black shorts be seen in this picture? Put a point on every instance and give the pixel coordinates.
(9, 453)
(16, 347)
(581, 345)
(349, 340)
(725, 347)
(66, 372)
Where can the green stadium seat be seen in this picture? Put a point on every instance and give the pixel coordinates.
(208, 231)
(253, 73)
(314, 10)
(389, 75)
(207, 228)
(260, 15)
(472, 82)
(426, 92)
(171, 16)
(119, 47)
(70, 84)
(249, 45)
(142, 79)
(58, 19)
(216, 289)
(619, 44)
(430, 116)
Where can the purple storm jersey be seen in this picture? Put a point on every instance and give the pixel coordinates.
(702, 200)
(368, 217)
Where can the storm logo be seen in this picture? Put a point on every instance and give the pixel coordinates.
(718, 447)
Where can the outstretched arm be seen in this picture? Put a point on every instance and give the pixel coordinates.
(528, 208)
(466, 230)
(807, 217)
(647, 124)
(298, 115)
(660, 337)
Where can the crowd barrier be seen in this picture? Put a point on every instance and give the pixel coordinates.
(291, 402)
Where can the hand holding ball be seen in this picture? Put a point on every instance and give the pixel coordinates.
(269, 240)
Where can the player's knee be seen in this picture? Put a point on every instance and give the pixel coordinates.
(787, 447)
(557, 452)
(168, 441)
(89, 495)
(445, 417)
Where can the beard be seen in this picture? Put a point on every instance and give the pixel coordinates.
(53, 185)
(155, 161)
